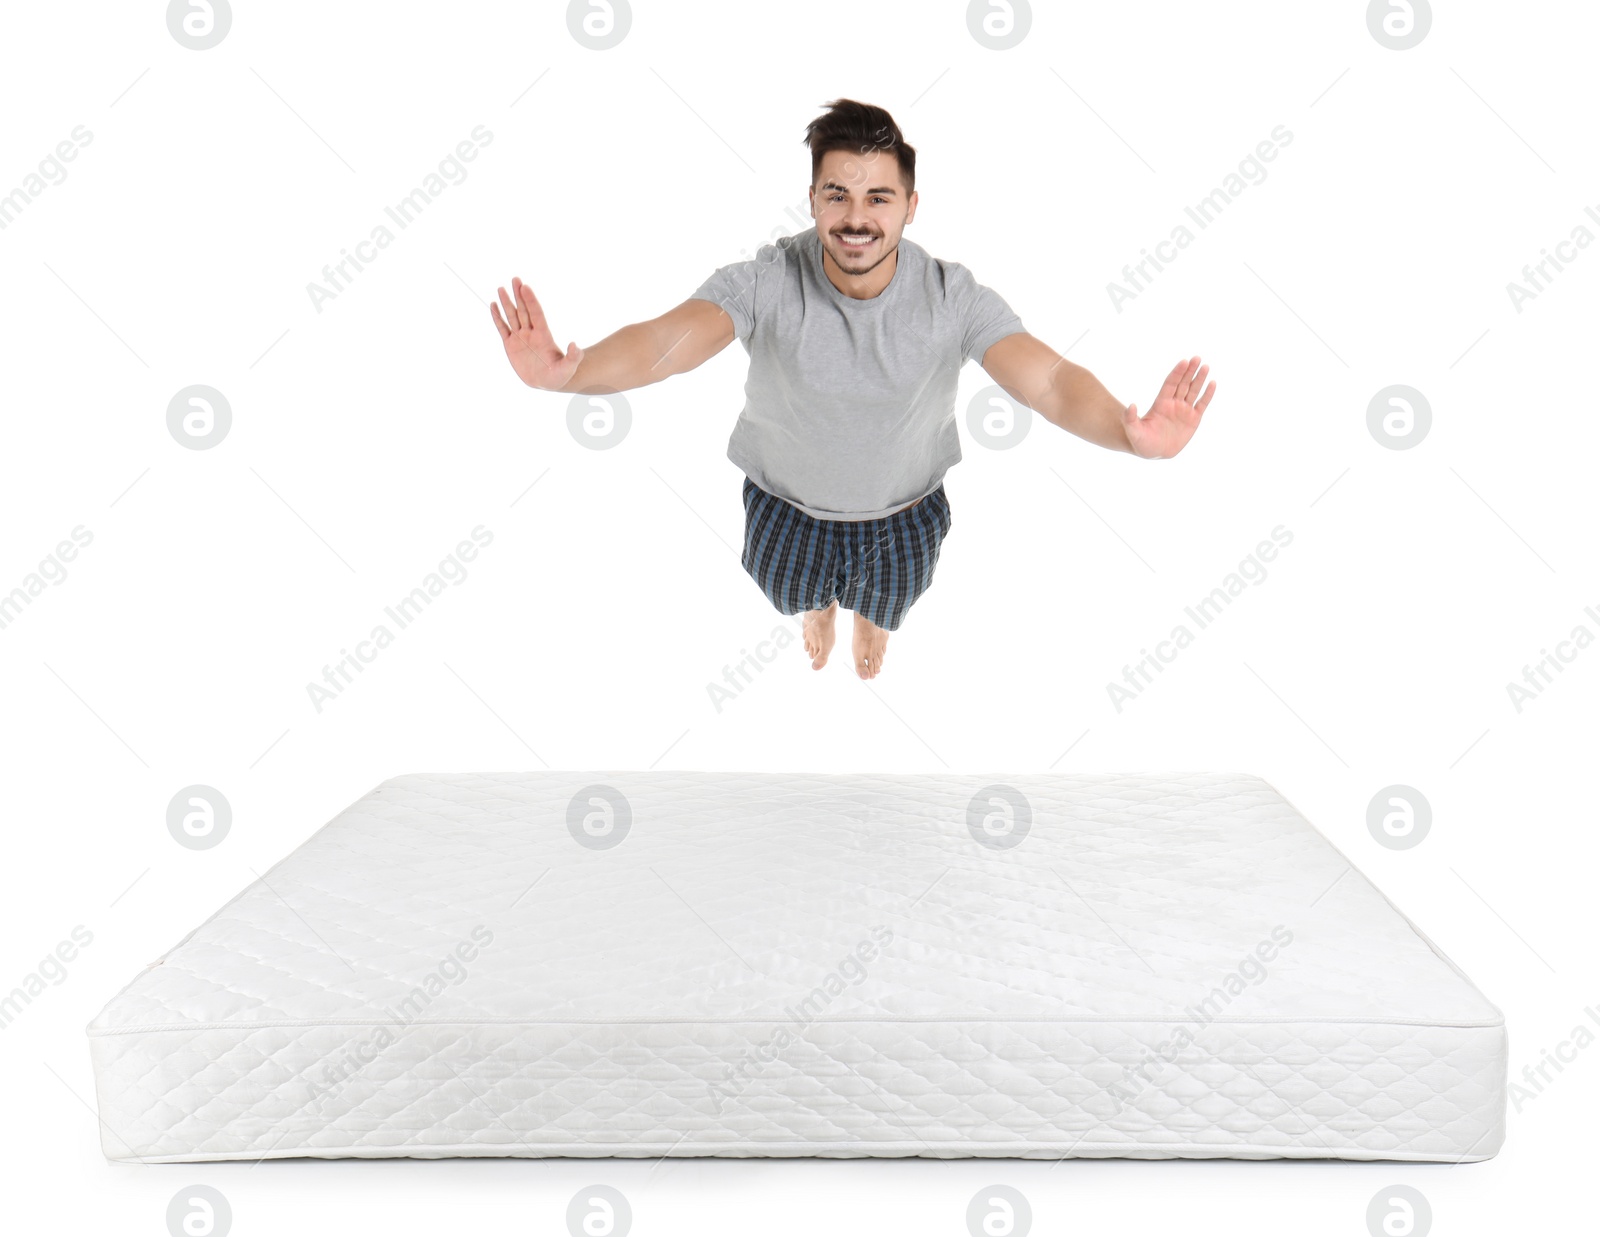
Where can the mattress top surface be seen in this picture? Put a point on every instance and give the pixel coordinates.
(632, 896)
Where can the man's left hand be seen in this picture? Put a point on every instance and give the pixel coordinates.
(1174, 416)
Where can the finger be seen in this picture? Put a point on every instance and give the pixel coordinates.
(1198, 381)
(494, 312)
(1200, 404)
(1186, 378)
(519, 301)
(510, 310)
(532, 311)
(1169, 388)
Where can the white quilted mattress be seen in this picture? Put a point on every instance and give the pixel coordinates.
(749, 964)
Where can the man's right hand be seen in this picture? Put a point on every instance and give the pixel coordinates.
(530, 347)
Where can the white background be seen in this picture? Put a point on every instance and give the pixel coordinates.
(372, 436)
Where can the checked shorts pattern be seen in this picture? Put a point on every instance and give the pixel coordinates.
(878, 568)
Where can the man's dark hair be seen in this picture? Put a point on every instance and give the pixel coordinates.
(860, 128)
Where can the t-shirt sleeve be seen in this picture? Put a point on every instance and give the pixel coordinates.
(985, 317)
(734, 288)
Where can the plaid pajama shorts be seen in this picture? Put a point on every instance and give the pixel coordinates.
(877, 568)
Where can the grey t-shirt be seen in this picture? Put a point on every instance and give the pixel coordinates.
(850, 404)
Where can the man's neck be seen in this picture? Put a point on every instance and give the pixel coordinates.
(865, 286)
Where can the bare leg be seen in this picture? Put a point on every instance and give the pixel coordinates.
(818, 631)
(869, 643)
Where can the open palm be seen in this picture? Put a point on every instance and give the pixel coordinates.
(1174, 416)
(530, 347)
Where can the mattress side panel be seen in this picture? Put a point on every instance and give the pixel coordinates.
(827, 1088)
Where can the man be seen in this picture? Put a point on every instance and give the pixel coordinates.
(856, 336)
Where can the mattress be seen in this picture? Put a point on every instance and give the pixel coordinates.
(616, 963)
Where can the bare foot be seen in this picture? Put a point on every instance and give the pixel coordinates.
(869, 644)
(818, 631)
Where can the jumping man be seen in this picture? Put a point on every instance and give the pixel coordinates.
(856, 335)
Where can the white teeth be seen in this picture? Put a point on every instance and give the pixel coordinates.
(855, 240)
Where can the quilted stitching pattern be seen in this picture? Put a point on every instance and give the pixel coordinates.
(1020, 992)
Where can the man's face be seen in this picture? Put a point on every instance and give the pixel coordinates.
(860, 196)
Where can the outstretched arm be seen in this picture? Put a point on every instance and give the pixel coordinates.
(1067, 395)
(634, 356)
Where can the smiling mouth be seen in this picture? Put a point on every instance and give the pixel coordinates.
(855, 240)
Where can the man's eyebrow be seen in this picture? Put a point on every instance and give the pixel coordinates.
(880, 189)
